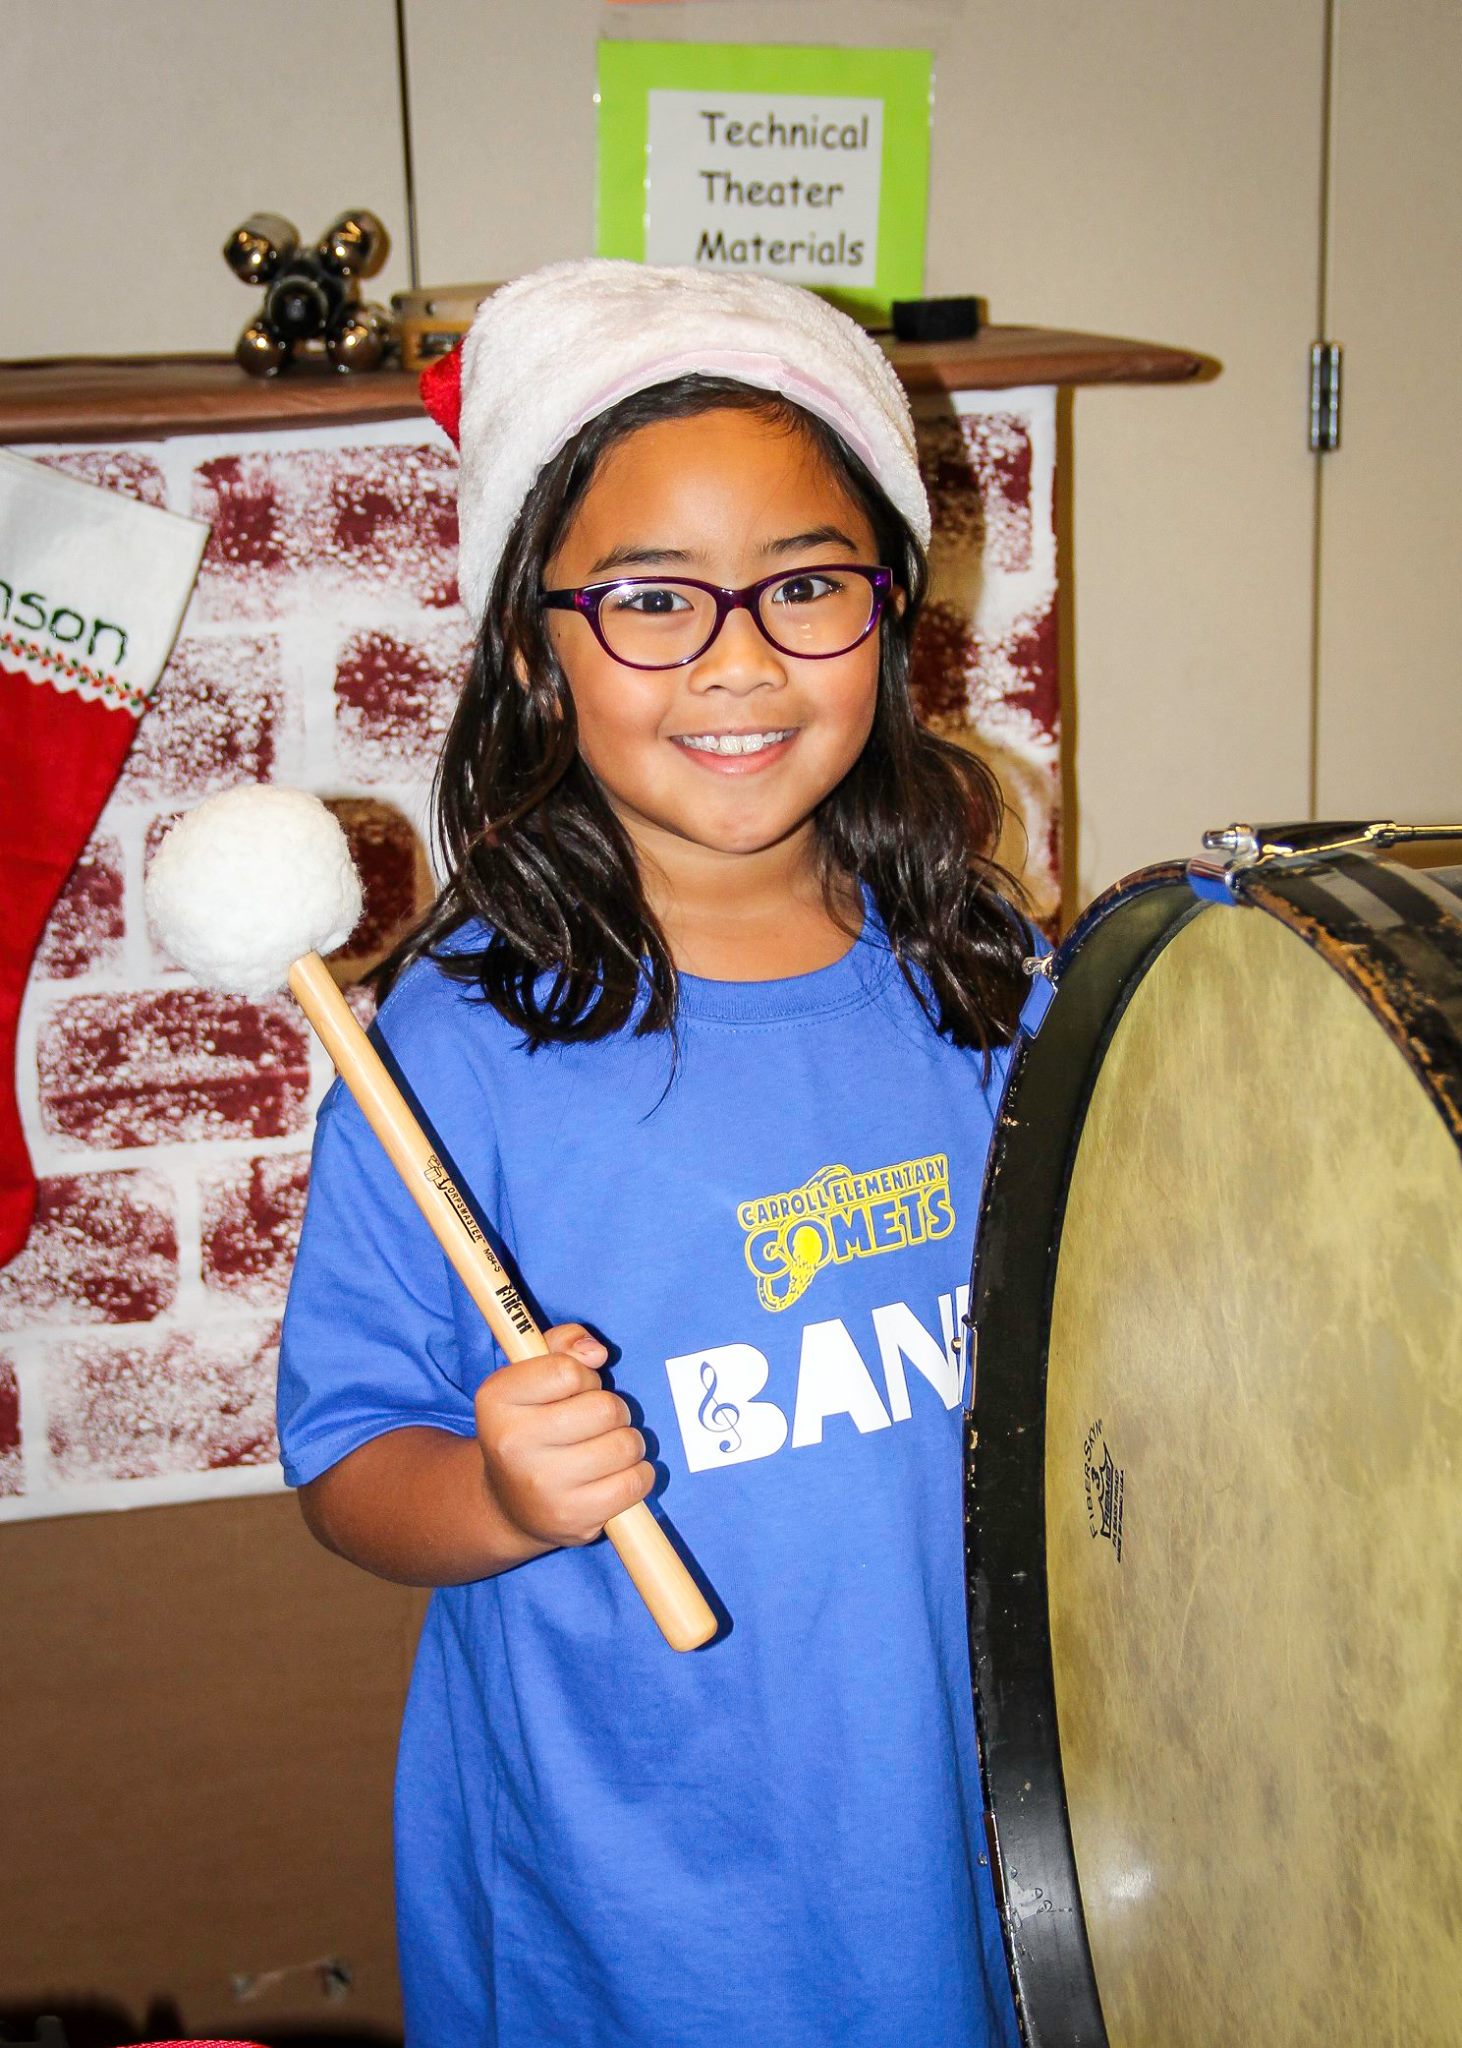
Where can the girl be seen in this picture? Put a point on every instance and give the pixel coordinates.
(711, 1016)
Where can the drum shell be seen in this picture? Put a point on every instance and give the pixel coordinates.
(1396, 940)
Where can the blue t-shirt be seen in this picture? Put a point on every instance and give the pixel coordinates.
(776, 1841)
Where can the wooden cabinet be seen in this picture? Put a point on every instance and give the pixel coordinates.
(1388, 711)
(216, 1698)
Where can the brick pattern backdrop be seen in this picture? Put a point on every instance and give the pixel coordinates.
(985, 664)
(170, 1126)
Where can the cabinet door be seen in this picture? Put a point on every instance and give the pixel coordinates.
(1389, 712)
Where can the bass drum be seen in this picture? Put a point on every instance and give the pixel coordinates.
(1215, 1479)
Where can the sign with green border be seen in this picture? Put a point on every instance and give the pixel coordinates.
(803, 163)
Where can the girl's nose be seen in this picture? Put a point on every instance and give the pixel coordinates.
(740, 658)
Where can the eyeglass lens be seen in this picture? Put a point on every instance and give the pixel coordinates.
(810, 612)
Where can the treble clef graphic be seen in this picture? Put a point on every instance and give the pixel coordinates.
(718, 1415)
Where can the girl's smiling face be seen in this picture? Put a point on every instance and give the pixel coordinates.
(727, 497)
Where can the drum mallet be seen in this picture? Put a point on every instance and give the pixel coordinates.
(246, 892)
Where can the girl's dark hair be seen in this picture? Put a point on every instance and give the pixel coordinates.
(533, 850)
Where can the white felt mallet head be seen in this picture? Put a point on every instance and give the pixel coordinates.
(250, 882)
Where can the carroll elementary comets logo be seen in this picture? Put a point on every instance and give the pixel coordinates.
(840, 1215)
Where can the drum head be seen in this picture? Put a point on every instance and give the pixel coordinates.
(1253, 1516)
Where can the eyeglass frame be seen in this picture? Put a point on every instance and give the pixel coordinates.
(587, 599)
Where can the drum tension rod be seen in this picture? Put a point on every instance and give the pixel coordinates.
(1255, 845)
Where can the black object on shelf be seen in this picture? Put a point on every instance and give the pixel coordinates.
(936, 319)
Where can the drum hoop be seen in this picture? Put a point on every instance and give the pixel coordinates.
(1097, 969)
(1397, 938)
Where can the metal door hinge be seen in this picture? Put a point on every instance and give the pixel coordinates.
(1324, 397)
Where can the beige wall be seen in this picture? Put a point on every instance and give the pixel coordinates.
(141, 133)
(1152, 168)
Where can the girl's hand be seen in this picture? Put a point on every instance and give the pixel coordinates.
(561, 1453)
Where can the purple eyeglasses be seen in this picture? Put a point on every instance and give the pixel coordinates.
(664, 622)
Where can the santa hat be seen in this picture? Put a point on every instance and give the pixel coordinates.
(553, 350)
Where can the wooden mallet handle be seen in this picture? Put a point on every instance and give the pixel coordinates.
(661, 1579)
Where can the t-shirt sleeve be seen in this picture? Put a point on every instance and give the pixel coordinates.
(373, 1336)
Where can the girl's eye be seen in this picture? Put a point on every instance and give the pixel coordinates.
(653, 600)
(802, 590)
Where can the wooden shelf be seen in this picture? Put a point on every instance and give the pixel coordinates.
(1002, 357)
(85, 398)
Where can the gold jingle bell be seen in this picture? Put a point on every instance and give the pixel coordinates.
(361, 340)
(261, 351)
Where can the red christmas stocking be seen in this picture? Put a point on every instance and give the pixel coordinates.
(92, 590)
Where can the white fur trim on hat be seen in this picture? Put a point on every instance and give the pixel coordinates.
(555, 349)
